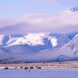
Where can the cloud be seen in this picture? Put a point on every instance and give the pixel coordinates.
(61, 22)
(66, 21)
(7, 22)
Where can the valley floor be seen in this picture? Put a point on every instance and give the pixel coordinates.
(25, 66)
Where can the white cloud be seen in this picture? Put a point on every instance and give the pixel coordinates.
(66, 21)
(61, 22)
(7, 22)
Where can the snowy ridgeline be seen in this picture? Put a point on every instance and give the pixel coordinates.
(40, 47)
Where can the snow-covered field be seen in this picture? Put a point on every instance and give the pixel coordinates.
(53, 73)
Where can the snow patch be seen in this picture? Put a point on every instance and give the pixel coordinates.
(16, 41)
(34, 39)
(30, 39)
(53, 41)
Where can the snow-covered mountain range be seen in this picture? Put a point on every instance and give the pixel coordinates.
(38, 47)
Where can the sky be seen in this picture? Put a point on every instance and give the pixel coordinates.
(38, 16)
(17, 8)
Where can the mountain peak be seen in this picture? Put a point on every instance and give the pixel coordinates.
(76, 36)
(74, 9)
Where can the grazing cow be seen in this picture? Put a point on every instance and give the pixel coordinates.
(26, 68)
(31, 67)
(6, 68)
(38, 67)
(21, 67)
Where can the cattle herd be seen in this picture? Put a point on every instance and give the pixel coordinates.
(24, 68)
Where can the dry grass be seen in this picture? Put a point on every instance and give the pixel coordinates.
(70, 64)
